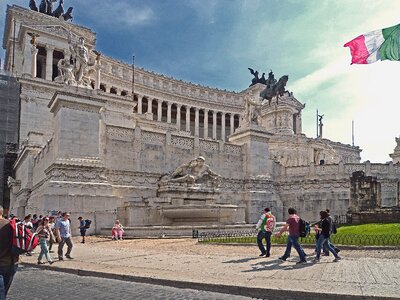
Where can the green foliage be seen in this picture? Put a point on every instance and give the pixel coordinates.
(370, 229)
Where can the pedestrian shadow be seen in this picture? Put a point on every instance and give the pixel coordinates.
(239, 261)
(276, 264)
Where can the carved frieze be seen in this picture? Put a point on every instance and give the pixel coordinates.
(208, 145)
(120, 133)
(233, 149)
(182, 142)
(153, 138)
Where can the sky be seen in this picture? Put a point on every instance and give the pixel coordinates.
(213, 42)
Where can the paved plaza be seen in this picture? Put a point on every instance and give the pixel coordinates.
(237, 270)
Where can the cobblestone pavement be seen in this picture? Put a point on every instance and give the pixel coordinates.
(35, 284)
(183, 263)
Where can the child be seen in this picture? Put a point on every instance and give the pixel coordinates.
(117, 231)
(82, 228)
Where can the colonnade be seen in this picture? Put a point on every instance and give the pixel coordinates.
(201, 122)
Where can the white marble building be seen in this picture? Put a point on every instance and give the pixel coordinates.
(94, 149)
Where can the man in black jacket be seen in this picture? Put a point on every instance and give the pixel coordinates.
(324, 229)
(8, 261)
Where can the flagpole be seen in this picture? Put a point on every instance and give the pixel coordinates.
(133, 78)
(317, 123)
(352, 133)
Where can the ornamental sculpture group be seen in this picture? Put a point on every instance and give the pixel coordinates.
(46, 7)
(76, 68)
(193, 173)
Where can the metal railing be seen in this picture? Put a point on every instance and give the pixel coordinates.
(250, 236)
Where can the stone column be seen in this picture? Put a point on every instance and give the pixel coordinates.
(223, 126)
(196, 122)
(149, 106)
(214, 136)
(139, 106)
(159, 110)
(98, 67)
(232, 124)
(27, 58)
(34, 60)
(205, 134)
(178, 116)
(187, 118)
(49, 62)
(169, 112)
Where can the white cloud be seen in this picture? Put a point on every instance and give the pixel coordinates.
(119, 13)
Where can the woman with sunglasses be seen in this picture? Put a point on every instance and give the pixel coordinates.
(44, 233)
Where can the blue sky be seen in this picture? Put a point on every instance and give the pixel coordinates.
(213, 42)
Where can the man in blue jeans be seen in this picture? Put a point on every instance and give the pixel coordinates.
(63, 230)
(8, 261)
(293, 239)
(266, 226)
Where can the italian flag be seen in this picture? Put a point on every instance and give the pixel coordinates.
(376, 45)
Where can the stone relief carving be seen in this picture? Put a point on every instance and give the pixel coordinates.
(181, 142)
(208, 145)
(233, 149)
(252, 112)
(195, 172)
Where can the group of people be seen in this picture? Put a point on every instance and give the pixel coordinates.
(323, 229)
(51, 230)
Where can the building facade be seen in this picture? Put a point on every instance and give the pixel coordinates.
(93, 143)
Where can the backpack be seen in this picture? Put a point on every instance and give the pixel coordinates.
(87, 223)
(334, 228)
(304, 228)
(269, 223)
(23, 240)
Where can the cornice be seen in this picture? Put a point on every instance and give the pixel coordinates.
(26, 150)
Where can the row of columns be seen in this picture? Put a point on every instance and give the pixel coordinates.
(48, 76)
(196, 118)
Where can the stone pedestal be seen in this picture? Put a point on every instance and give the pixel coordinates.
(256, 140)
(258, 171)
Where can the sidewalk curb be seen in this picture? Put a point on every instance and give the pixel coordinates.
(258, 293)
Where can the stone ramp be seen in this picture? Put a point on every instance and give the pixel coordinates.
(362, 274)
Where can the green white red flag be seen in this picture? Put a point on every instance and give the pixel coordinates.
(383, 44)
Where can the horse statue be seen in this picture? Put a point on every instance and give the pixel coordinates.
(277, 89)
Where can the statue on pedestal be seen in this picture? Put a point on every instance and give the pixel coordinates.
(252, 111)
(76, 68)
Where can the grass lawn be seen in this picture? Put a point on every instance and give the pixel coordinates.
(355, 235)
(370, 229)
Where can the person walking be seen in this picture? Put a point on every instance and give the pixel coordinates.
(265, 227)
(332, 231)
(82, 228)
(45, 234)
(53, 238)
(8, 260)
(324, 230)
(63, 229)
(292, 223)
